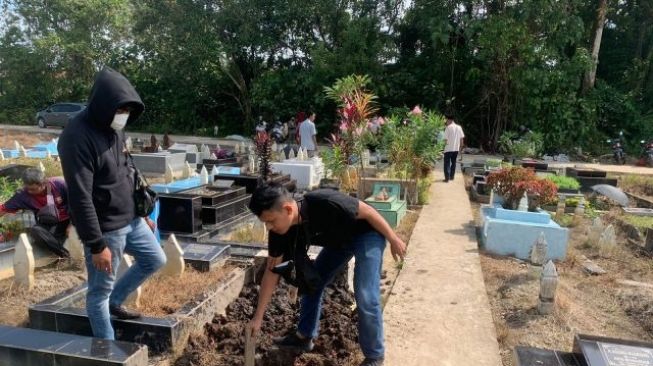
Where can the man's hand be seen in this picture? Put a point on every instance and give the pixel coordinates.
(102, 261)
(254, 326)
(398, 249)
(150, 223)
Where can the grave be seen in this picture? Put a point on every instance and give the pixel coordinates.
(13, 171)
(648, 212)
(180, 214)
(27, 347)
(251, 181)
(533, 164)
(307, 173)
(590, 177)
(209, 163)
(156, 163)
(221, 212)
(511, 232)
(392, 208)
(169, 333)
(177, 186)
(530, 356)
(193, 155)
(604, 351)
(205, 257)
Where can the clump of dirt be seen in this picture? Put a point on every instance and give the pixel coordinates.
(223, 341)
(49, 281)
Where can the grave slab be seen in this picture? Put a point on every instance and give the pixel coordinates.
(205, 257)
(27, 347)
(180, 214)
(638, 211)
(603, 351)
(157, 162)
(216, 214)
(164, 334)
(530, 356)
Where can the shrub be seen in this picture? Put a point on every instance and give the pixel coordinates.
(564, 182)
(512, 183)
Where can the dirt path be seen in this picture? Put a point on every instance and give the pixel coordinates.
(439, 314)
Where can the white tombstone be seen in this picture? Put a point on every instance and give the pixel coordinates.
(594, 231)
(134, 298)
(75, 247)
(237, 149)
(204, 176)
(24, 263)
(206, 153)
(41, 167)
(175, 258)
(159, 148)
(48, 155)
(607, 241)
(2, 155)
(275, 147)
(538, 252)
(16, 145)
(23, 152)
(129, 144)
(523, 203)
(213, 157)
(170, 175)
(251, 165)
(291, 154)
(188, 170)
(548, 286)
(214, 172)
(243, 147)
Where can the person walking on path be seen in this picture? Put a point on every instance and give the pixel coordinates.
(346, 228)
(101, 185)
(307, 133)
(454, 138)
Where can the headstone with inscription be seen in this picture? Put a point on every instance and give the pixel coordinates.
(602, 351)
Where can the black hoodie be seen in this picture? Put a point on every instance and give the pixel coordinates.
(99, 178)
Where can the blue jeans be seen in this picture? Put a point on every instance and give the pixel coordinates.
(368, 249)
(137, 240)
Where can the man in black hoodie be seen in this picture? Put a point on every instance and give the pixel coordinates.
(100, 183)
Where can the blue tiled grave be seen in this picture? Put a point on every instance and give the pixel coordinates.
(393, 209)
(161, 334)
(512, 232)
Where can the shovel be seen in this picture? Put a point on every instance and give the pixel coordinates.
(250, 348)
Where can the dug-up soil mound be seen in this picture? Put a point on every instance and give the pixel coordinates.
(223, 341)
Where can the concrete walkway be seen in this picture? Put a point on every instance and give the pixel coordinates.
(439, 314)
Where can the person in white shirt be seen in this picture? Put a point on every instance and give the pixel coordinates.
(453, 136)
(307, 133)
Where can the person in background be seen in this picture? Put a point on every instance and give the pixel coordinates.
(47, 198)
(101, 185)
(307, 133)
(454, 139)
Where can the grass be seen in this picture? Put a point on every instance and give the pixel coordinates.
(52, 166)
(8, 188)
(642, 223)
(637, 184)
(564, 182)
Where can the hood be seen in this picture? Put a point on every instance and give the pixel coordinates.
(110, 92)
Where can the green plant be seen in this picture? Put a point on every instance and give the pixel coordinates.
(334, 161)
(642, 223)
(528, 145)
(423, 186)
(8, 187)
(563, 182)
(493, 163)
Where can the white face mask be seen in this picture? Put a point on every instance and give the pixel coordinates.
(119, 121)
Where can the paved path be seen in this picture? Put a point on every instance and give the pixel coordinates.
(439, 314)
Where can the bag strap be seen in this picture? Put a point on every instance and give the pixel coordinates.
(137, 173)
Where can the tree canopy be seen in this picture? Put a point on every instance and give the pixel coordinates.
(496, 64)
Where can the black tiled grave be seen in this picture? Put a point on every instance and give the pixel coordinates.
(250, 182)
(205, 257)
(180, 214)
(603, 351)
(212, 195)
(13, 171)
(590, 173)
(24, 346)
(216, 214)
(530, 356)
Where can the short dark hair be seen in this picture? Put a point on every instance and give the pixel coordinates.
(33, 176)
(449, 115)
(268, 196)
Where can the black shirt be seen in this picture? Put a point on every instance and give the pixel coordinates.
(328, 217)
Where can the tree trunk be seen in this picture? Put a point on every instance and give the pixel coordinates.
(597, 34)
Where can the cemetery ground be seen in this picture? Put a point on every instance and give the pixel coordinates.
(616, 304)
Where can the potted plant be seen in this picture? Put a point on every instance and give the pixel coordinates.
(539, 192)
(506, 182)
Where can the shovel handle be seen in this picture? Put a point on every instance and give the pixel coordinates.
(250, 348)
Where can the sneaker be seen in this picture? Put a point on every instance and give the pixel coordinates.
(123, 313)
(372, 362)
(293, 341)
